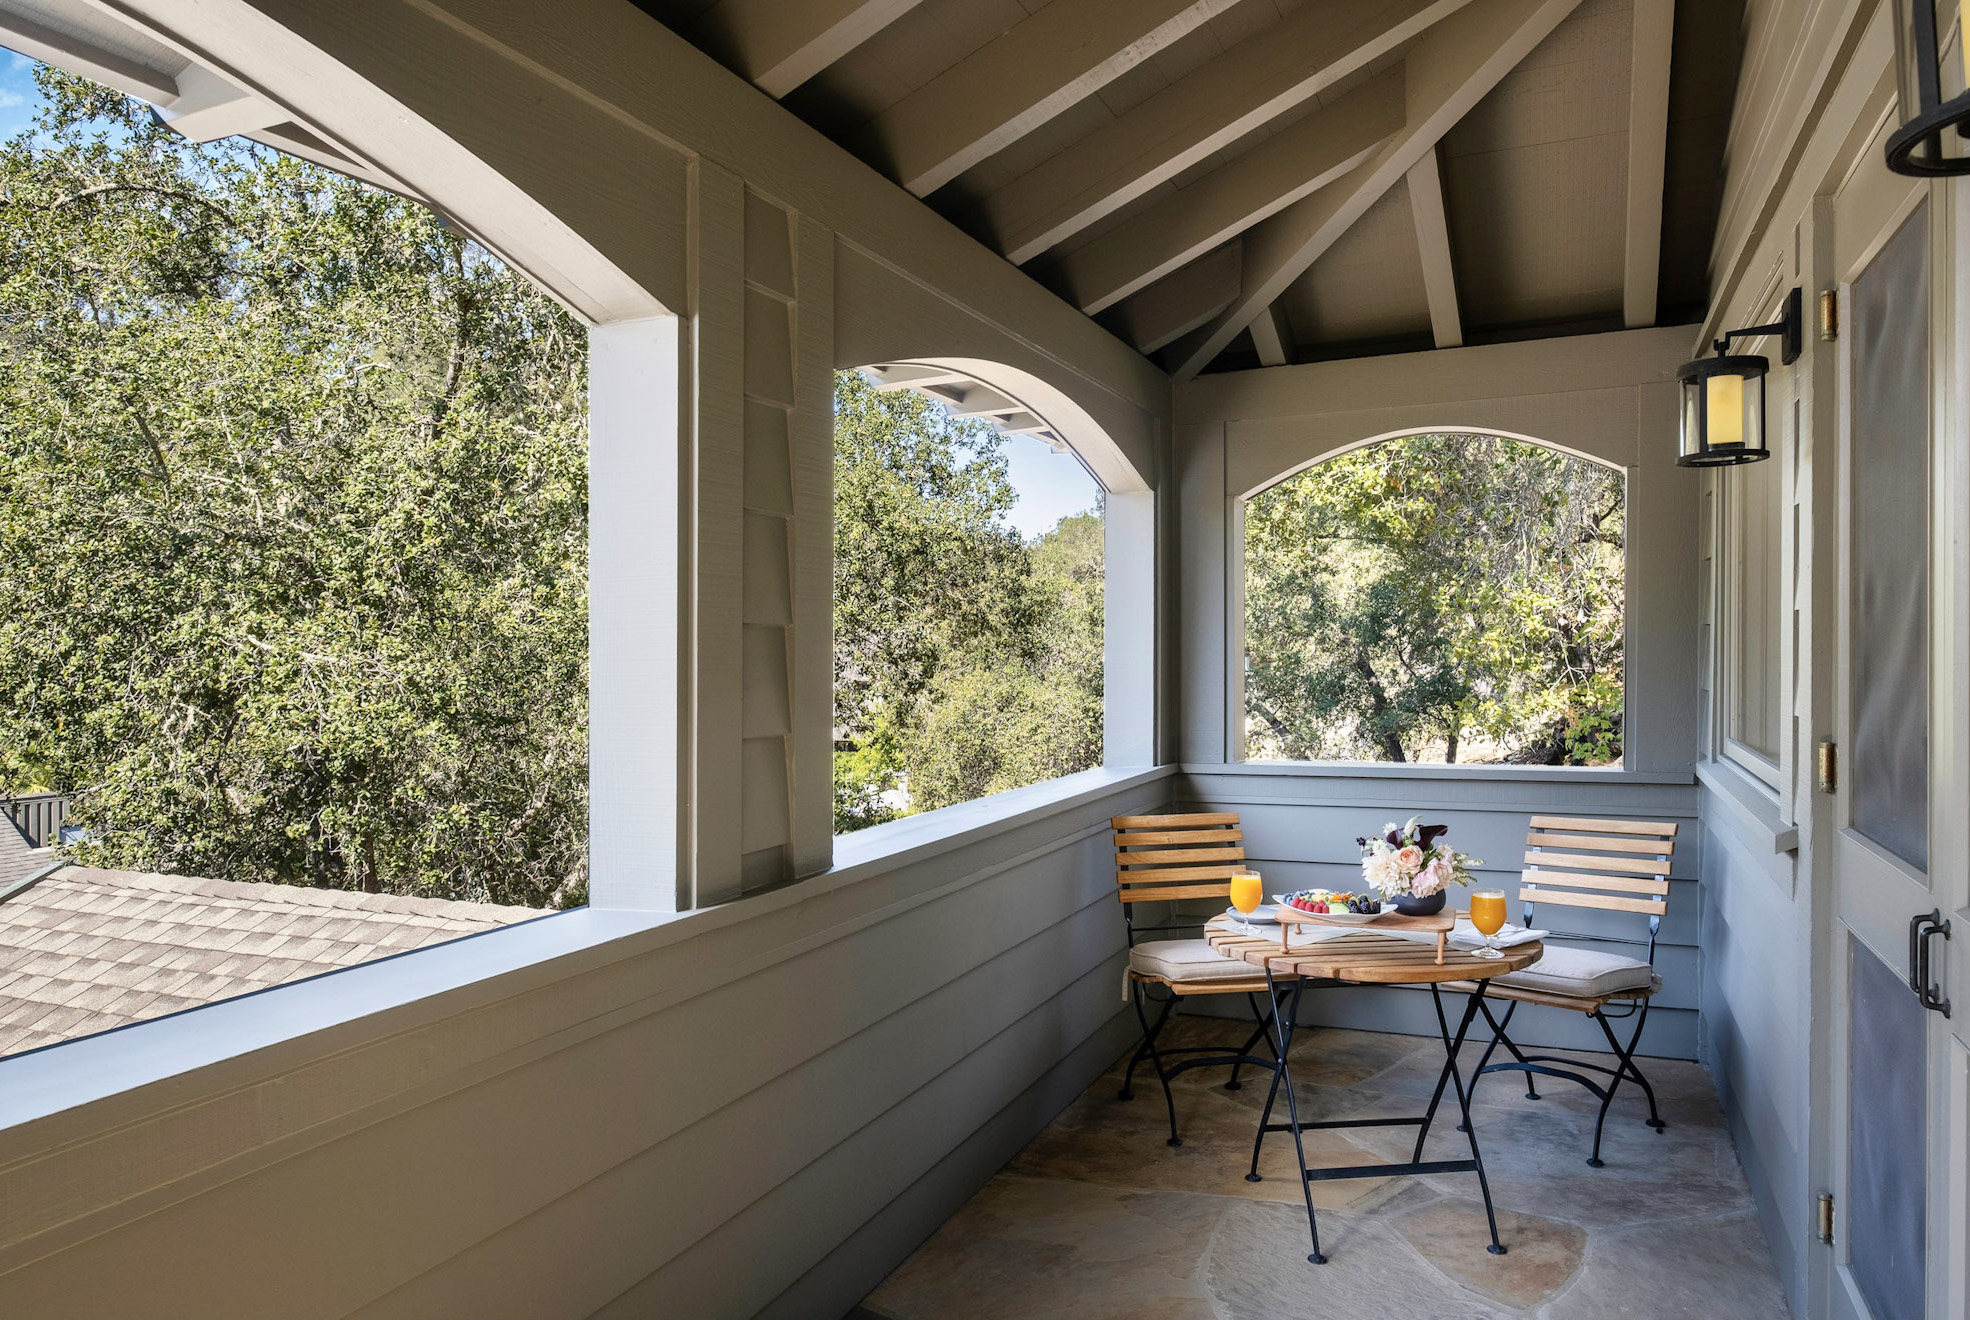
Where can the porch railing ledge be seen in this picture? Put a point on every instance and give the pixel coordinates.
(1425, 770)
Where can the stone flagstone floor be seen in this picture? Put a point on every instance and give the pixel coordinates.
(1098, 1219)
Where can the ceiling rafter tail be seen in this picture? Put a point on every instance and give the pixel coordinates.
(1448, 72)
(779, 44)
(1301, 159)
(1433, 245)
(1063, 52)
(1181, 301)
(1648, 147)
(1272, 336)
(1256, 81)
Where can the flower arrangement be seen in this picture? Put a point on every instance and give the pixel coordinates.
(1408, 862)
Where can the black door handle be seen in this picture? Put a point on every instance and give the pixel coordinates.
(1921, 929)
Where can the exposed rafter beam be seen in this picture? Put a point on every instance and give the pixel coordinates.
(1433, 243)
(1448, 72)
(1648, 147)
(780, 44)
(1272, 335)
(1178, 303)
(1208, 109)
(1014, 83)
(1300, 159)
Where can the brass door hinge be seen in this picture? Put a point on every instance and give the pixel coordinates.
(1829, 765)
(1830, 315)
(1826, 1219)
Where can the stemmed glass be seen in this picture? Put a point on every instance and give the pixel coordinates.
(1246, 890)
(1488, 915)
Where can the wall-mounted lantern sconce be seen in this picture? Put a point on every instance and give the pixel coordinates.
(1929, 122)
(1724, 396)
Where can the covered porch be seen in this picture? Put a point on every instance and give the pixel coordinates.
(776, 1070)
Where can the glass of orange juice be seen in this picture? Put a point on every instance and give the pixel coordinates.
(1488, 915)
(1246, 890)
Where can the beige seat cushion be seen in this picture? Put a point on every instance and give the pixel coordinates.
(1188, 960)
(1586, 973)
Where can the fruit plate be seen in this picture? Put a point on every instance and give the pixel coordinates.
(1287, 912)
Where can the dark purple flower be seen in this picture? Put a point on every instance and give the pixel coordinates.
(1429, 834)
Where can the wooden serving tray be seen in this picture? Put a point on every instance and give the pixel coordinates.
(1441, 924)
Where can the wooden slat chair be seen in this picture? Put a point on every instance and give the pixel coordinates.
(1170, 859)
(1606, 865)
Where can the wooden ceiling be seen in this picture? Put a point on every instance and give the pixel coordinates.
(1229, 183)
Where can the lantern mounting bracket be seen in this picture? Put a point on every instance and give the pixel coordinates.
(1790, 327)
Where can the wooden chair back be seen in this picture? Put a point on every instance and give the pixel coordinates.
(1589, 862)
(1163, 858)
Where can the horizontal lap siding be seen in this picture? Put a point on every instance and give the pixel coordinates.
(698, 1159)
(1300, 832)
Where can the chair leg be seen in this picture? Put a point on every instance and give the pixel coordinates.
(1624, 1067)
(1634, 1070)
(1148, 1047)
(1264, 1032)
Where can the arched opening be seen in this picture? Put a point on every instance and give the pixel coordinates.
(1447, 596)
(969, 594)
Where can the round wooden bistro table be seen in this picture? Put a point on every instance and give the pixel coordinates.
(1362, 957)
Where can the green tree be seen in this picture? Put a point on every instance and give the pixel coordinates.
(967, 662)
(1439, 597)
(293, 504)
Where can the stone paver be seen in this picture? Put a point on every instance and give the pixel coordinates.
(1099, 1218)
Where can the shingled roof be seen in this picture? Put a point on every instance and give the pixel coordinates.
(18, 858)
(84, 950)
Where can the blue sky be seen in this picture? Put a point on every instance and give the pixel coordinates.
(1050, 486)
(17, 92)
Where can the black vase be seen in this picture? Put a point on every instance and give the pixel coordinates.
(1411, 906)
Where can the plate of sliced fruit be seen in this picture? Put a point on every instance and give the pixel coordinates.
(1338, 906)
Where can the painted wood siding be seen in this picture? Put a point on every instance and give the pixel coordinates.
(1300, 829)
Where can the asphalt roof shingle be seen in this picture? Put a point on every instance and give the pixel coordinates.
(84, 950)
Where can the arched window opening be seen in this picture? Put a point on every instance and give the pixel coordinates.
(1445, 597)
(294, 504)
(968, 597)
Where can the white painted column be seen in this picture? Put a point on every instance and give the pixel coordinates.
(1129, 651)
(634, 616)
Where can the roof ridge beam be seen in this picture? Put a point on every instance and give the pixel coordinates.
(1648, 156)
(1450, 70)
(1206, 110)
(1029, 73)
(779, 44)
(1298, 160)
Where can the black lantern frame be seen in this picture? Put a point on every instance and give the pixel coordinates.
(1916, 148)
(1697, 448)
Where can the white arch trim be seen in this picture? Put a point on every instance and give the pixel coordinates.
(1407, 431)
(1065, 418)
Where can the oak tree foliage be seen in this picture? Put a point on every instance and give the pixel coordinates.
(293, 513)
(1445, 597)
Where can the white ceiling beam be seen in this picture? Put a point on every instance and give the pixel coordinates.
(1067, 50)
(982, 401)
(1208, 109)
(209, 108)
(70, 51)
(779, 44)
(1648, 151)
(1181, 301)
(1272, 335)
(909, 377)
(1433, 244)
(1300, 159)
(1448, 72)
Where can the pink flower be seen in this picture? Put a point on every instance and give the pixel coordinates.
(1410, 858)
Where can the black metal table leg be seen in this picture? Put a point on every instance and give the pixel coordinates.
(1450, 1076)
